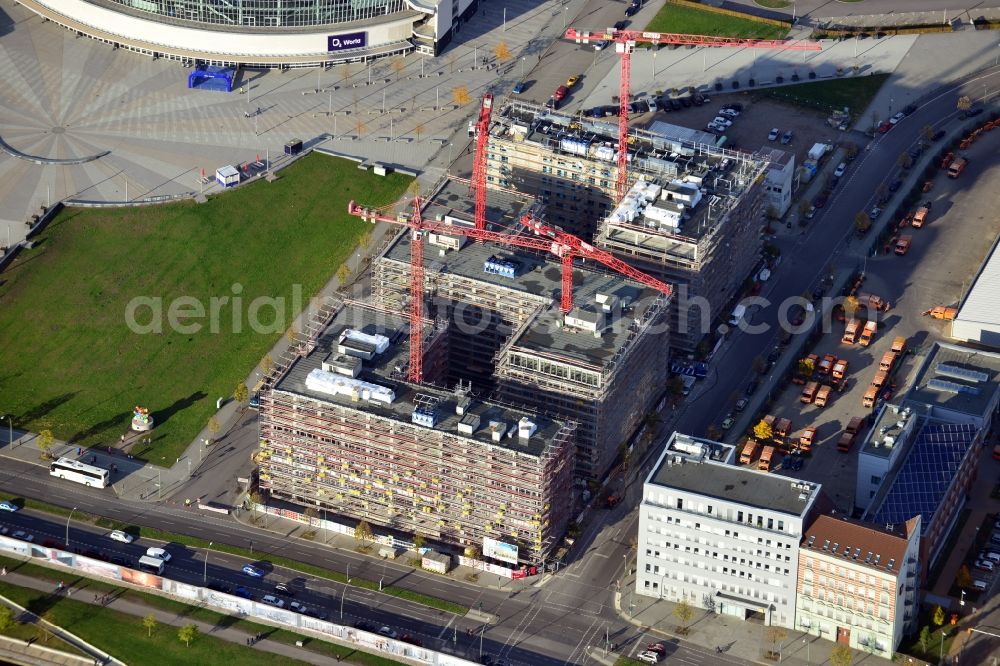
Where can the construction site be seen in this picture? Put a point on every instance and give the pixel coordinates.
(344, 431)
(692, 215)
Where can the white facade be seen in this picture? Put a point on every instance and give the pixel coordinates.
(978, 317)
(858, 584)
(886, 443)
(721, 537)
(779, 179)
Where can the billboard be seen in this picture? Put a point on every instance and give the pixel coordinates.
(498, 550)
(349, 40)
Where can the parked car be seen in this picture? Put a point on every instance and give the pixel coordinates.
(283, 588)
(639, 106)
(272, 600)
(121, 561)
(648, 657)
(735, 106)
(728, 422)
(551, 103)
(121, 537)
(985, 565)
(412, 640)
(158, 553)
(972, 113)
(8, 506)
(220, 586)
(874, 212)
(699, 100)
(241, 591)
(741, 404)
(621, 25)
(297, 607)
(365, 625)
(895, 184)
(897, 117)
(820, 200)
(811, 213)
(786, 138)
(316, 613)
(560, 93)
(253, 571)
(572, 81)
(915, 151)
(722, 121)
(22, 535)
(797, 463)
(938, 135)
(884, 127)
(388, 632)
(729, 113)
(751, 387)
(519, 87)
(676, 105)
(632, 10)
(839, 171)
(601, 45)
(657, 647)
(909, 108)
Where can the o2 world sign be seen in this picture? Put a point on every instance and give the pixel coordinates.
(351, 40)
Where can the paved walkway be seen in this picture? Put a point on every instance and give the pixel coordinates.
(169, 618)
(15, 651)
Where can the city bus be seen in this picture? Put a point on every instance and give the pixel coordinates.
(74, 470)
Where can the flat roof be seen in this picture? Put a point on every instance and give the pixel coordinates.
(730, 483)
(657, 157)
(982, 303)
(535, 275)
(957, 378)
(386, 369)
(885, 435)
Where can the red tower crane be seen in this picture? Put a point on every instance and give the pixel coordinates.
(479, 164)
(625, 41)
(544, 239)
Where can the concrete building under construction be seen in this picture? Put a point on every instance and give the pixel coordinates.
(344, 431)
(693, 217)
(602, 365)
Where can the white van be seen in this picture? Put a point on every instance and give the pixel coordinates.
(739, 312)
(151, 564)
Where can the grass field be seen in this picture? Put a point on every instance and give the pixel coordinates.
(854, 92)
(70, 362)
(693, 21)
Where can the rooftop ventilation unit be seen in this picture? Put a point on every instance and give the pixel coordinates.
(957, 372)
(497, 430)
(526, 428)
(330, 383)
(502, 267)
(463, 405)
(468, 424)
(424, 416)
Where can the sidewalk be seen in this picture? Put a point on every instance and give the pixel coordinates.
(738, 639)
(138, 609)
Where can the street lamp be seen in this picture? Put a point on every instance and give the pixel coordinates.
(10, 429)
(205, 574)
(67, 526)
(808, 656)
(522, 67)
(342, 595)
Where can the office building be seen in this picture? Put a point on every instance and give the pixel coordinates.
(719, 536)
(858, 582)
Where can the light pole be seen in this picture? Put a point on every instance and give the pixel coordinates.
(565, 7)
(342, 595)
(204, 576)
(348, 572)
(67, 526)
(522, 68)
(808, 649)
(482, 631)
(941, 649)
(10, 429)
(450, 146)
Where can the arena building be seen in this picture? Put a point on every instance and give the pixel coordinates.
(263, 33)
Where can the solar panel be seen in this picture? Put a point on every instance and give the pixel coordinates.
(946, 386)
(958, 372)
(927, 473)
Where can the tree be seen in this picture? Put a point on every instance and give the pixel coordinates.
(418, 130)
(763, 431)
(6, 619)
(964, 578)
(241, 393)
(460, 95)
(904, 160)
(881, 192)
(502, 52)
(925, 639)
(472, 551)
(772, 212)
(343, 273)
(45, 441)
(964, 103)
(927, 132)
(676, 385)
(398, 66)
(213, 426)
(310, 512)
(804, 207)
(713, 432)
(776, 636)
(345, 72)
(363, 532)
(938, 617)
(150, 623)
(413, 189)
(683, 613)
(841, 655)
(418, 541)
(359, 126)
(851, 150)
(267, 364)
(806, 366)
(862, 222)
(187, 633)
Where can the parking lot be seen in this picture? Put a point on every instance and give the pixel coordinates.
(945, 255)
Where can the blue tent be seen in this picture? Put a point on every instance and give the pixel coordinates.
(212, 77)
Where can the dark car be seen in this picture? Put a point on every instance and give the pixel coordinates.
(412, 640)
(972, 113)
(122, 561)
(938, 135)
(596, 112)
(283, 588)
(741, 404)
(915, 151)
(796, 315)
(621, 25)
(751, 387)
(796, 463)
(316, 613)
(698, 100)
(219, 586)
(773, 356)
(519, 87)
(551, 103)
(241, 591)
(686, 101)
(632, 10)
(909, 108)
(820, 199)
(676, 104)
(365, 625)
(895, 185)
(734, 106)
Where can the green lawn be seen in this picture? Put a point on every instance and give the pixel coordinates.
(26, 632)
(853, 92)
(70, 362)
(693, 21)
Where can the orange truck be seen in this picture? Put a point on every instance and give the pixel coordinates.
(850, 433)
(807, 438)
(898, 345)
(749, 451)
(840, 368)
(871, 395)
(822, 396)
(871, 302)
(826, 365)
(868, 334)
(921, 216)
(903, 244)
(764, 464)
(809, 392)
(782, 429)
(851, 332)
(957, 167)
(888, 360)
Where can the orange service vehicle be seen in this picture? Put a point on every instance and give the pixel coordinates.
(851, 332)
